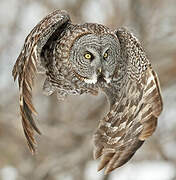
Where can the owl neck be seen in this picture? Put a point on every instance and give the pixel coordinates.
(114, 91)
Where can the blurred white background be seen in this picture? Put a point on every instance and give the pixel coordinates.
(65, 148)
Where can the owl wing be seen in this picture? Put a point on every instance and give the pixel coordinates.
(133, 118)
(29, 63)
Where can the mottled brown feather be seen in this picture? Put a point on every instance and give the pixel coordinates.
(133, 118)
(26, 65)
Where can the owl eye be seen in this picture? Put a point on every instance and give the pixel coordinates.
(105, 55)
(88, 56)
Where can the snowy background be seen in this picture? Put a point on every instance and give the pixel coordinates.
(65, 148)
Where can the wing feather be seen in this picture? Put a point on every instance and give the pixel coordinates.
(27, 65)
(133, 118)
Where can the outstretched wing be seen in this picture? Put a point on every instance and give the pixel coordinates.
(133, 118)
(28, 64)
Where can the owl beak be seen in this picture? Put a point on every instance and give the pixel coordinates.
(99, 70)
(100, 75)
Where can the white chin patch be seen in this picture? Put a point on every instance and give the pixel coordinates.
(108, 80)
(94, 80)
(91, 81)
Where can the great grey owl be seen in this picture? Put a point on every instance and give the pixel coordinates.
(86, 58)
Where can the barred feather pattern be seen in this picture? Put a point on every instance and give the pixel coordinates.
(133, 117)
(26, 68)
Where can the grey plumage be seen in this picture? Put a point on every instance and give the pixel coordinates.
(86, 58)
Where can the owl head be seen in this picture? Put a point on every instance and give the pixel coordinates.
(94, 56)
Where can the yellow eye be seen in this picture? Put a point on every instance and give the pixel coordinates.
(88, 56)
(105, 55)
